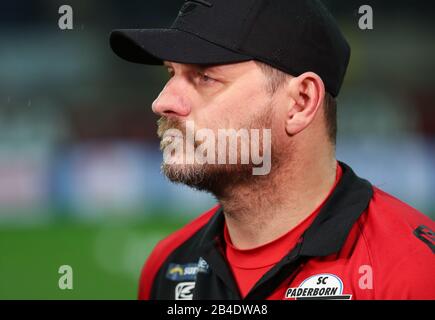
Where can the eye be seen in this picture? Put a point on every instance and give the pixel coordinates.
(205, 78)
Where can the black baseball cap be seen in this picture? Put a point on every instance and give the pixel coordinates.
(294, 36)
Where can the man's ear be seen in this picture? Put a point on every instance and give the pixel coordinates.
(307, 92)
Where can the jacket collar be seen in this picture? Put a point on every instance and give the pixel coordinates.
(328, 232)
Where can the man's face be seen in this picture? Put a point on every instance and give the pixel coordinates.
(233, 96)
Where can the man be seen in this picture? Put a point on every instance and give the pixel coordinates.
(308, 229)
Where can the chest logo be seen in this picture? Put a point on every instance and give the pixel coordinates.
(323, 286)
(184, 291)
(182, 272)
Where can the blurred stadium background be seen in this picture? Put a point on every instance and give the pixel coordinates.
(79, 158)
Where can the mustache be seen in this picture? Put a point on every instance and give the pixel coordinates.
(165, 124)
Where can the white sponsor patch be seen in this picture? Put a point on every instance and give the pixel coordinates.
(184, 291)
(323, 286)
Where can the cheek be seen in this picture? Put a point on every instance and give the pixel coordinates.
(232, 110)
(248, 110)
(218, 116)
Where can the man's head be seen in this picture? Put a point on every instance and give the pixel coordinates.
(247, 95)
(262, 64)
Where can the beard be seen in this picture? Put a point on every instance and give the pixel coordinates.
(209, 177)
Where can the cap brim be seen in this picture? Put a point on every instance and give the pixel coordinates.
(153, 46)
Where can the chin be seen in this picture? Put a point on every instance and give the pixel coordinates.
(183, 173)
(214, 179)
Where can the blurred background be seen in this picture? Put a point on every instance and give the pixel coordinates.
(80, 180)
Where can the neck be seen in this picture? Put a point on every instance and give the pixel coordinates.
(261, 211)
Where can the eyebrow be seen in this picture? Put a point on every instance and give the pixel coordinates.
(215, 68)
(202, 67)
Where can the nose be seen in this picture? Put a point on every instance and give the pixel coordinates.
(172, 101)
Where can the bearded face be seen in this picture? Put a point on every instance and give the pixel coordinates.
(219, 125)
(211, 159)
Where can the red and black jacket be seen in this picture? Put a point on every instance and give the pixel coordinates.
(363, 244)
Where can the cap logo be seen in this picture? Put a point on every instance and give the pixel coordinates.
(203, 2)
(191, 5)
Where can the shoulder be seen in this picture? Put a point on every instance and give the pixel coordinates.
(400, 243)
(165, 247)
(394, 216)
